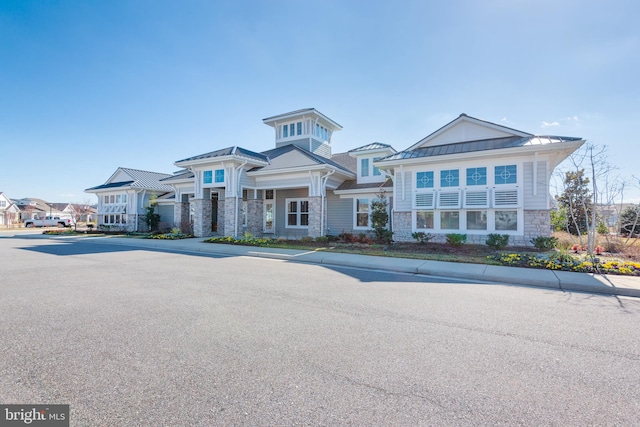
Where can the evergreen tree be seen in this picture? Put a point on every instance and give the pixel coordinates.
(577, 200)
(630, 221)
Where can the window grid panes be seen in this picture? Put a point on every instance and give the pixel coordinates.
(476, 176)
(297, 213)
(506, 174)
(362, 212)
(207, 177)
(424, 180)
(219, 175)
(450, 178)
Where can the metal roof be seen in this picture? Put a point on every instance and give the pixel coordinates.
(229, 151)
(111, 185)
(179, 176)
(277, 152)
(352, 184)
(480, 145)
(372, 146)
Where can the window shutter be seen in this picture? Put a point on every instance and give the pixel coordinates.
(506, 198)
(449, 199)
(476, 199)
(424, 200)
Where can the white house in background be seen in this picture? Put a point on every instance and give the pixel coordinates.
(9, 212)
(470, 176)
(123, 197)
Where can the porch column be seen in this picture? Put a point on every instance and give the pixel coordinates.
(181, 216)
(202, 217)
(315, 215)
(254, 216)
(231, 217)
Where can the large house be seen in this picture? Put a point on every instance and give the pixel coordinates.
(470, 176)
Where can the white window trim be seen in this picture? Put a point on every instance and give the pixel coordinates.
(286, 218)
(355, 214)
(414, 220)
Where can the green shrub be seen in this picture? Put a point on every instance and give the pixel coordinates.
(422, 237)
(322, 239)
(545, 243)
(306, 239)
(455, 239)
(497, 241)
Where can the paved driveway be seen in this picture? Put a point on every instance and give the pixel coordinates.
(137, 337)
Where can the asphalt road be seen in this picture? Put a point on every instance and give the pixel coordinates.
(137, 337)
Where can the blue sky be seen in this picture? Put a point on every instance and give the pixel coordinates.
(88, 86)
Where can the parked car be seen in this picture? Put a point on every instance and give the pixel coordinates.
(48, 221)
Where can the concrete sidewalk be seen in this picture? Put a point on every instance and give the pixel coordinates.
(563, 280)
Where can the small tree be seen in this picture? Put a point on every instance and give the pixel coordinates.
(380, 218)
(576, 200)
(151, 218)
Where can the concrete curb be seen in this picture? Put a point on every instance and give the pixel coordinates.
(562, 280)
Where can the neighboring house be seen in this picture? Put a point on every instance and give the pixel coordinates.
(470, 176)
(9, 212)
(123, 197)
(33, 208)
(77, 212)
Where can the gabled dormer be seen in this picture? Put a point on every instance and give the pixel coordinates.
(308, 129)
(366, 156)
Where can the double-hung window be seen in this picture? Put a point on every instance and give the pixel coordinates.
(297, 213)
(362, 212)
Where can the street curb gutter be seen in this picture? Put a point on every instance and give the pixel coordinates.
(561, 280)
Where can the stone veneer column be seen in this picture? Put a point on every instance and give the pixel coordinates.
(315, 215)
(181, 216)
(230, 217)
(202, 217)
(536, 223)
(254, 216)
(402, 226)
(221, 204)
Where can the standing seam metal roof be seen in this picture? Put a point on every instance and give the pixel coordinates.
(480, 145)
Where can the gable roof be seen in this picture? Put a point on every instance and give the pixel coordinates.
(372, 146)
(463, 122)
(225, 152)
(285, 149)
(480, 145)
(139, 179)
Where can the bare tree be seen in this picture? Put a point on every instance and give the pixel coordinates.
(606, 187)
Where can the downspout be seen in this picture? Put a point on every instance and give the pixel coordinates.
(535, 173)
(394, 199)
(323, 183)
(236, 176)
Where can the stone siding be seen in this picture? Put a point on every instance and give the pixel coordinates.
(254, 216)
(202, 217)
(181, 216)
(536, 223)
(315, 213)
(402, 227)
(230, 217)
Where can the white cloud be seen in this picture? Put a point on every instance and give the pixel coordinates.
(547, 124)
